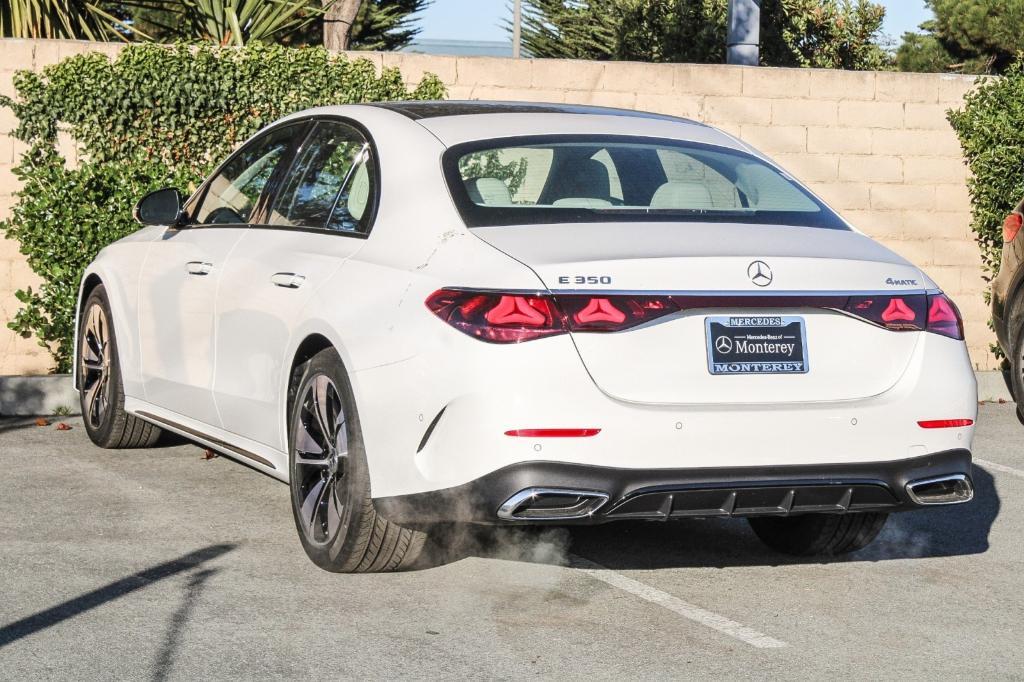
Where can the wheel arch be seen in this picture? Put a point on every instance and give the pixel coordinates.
(311, 345)
(90, 281)
(311, 339)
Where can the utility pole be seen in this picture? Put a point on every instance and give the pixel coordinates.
(743, 42)
(517, 20)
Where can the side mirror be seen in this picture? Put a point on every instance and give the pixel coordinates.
(162, 207)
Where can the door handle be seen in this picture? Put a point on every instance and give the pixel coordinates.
(196, 267)
(288, 280)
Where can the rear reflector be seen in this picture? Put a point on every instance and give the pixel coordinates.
(945, 423)
(553, 433)
(505, 317)
(1011, 226)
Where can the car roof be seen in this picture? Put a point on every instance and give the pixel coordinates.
(454, 122)
(421, 109)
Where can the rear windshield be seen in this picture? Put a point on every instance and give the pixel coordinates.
(576, 178)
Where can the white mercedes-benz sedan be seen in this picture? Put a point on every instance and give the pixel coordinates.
(425, 312)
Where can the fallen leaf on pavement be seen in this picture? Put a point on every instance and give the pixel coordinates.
(42, 422)
(209, 454)
(63, 427)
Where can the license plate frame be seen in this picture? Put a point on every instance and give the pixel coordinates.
(772, 336)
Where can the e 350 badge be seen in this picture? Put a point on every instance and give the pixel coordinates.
(584, 279)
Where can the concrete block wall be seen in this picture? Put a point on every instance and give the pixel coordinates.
(874, 145)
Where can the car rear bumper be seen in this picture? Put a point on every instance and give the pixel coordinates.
(563, 493)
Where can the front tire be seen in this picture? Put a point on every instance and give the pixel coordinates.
(338, 526)
(100, 388)
(818, 534)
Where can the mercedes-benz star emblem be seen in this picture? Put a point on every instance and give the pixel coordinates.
(723, 344)
(759, 273)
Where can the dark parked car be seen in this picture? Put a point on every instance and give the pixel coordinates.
(1008, 305)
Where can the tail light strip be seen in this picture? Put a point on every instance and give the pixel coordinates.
(514, 317)
(945, 423)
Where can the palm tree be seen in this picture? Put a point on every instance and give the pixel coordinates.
(226, 22)
(79, 19)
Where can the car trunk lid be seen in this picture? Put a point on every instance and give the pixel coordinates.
(717, 272)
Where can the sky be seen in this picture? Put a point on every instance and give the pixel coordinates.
(481, 19)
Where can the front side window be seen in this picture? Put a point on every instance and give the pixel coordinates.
(561, 179)
(331, 184)
(233, 193)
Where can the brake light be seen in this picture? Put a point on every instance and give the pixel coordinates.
(1011, 226)
(935, 313)
(945, 423)
(944, 318)
(599, 310)
(585, 313)
(520, 310)
(512, 318)
(896, 313)
(501, 317)
(496, 317)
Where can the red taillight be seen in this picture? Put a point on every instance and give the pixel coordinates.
(499, 317)
(944, 318)
(1011, 226)
(520, 310)
(513, 318)
(897, 313)
(945, 423)
(496, 317)
(586, 313)
(914, 312)
(600, 311)
(553, 433)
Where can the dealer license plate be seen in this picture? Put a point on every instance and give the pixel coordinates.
(756, 344)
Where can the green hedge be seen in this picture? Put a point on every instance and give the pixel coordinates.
(991, 132)
(153, 117)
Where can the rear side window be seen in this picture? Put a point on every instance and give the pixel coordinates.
(233, 193)
(580, 178)
(331, 184)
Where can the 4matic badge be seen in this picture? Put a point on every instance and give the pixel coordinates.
(893, 282)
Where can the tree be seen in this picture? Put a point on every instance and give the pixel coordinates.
(923, 53)
(385, 25)
(982, 35)
(573, 29)
(827, 34)
(339, 16)
(71, 19)
(228, 22)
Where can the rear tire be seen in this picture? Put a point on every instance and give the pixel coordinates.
(99, 377)
(818, 534)
(1016, 378)
(338, 526)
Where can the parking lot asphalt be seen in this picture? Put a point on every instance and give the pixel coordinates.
(159, 564)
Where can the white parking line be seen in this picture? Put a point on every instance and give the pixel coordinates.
(676, 605)
(999, 467)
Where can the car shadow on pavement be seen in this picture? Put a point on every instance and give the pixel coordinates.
(54, 615)
(696, 543)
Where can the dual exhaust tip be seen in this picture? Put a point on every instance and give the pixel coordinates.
(562, 504)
